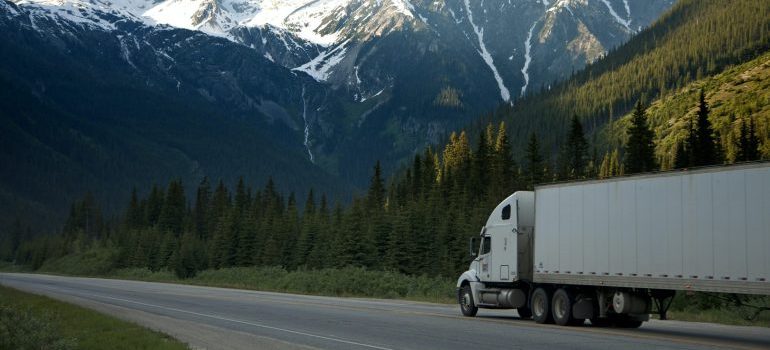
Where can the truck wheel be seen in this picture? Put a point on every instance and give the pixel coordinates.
(541, 306)
(467, 306)
(562, 308)
(525, 313)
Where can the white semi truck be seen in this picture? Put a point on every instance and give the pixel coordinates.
(614, 251)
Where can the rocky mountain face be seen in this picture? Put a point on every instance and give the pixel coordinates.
(340, 84)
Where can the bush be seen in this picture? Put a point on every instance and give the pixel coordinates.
(22, 329)
(92, 262)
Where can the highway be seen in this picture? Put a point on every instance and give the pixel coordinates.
(220, 318)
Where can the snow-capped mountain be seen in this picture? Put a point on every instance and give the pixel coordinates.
(344, 82)
(533, 42)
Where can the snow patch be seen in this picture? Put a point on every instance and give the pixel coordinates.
(621, 21)
(504, 93)
(307, 126)
(628, 9)
(404, 7)
(527, 58)
(319, 67)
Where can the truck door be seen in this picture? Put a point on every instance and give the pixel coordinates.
(503, 253)
(485, 257)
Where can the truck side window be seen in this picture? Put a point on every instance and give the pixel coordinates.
(507, 212)
(486, 245)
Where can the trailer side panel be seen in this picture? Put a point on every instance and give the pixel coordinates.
(706, 230)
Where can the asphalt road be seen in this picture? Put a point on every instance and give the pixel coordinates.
(218, 318)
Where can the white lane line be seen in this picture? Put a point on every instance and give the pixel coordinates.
(241, 322)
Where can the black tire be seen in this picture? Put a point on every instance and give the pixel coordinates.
(525, 312)
(467, 305)
(541, 306)
(561, 307)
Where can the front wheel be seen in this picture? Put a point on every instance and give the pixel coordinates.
(467, 306)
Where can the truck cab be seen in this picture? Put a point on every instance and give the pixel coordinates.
(498, 276)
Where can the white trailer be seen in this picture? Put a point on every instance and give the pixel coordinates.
(610, 250)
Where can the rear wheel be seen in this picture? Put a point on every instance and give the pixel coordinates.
(562, 308)
(541, 306)
(467, 306)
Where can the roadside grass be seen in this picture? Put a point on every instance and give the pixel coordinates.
(29, 321)
(344, 282)
(713, 308)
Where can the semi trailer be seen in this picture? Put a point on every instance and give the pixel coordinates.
(615, 251)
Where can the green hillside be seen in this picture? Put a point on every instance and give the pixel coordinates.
(733, 96)
(696, 39)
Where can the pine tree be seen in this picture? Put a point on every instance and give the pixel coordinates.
(534, 165)
(748, 142)
(376, 194)
(134, 214)
(483, 165)
(704, 146)
(574, 157)
(174, 208)
(200, 213)
(752, 152)
(640, 148)
(154, 206)
(681, 155)
(505, 175)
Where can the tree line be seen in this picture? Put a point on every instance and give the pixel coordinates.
(417, 222)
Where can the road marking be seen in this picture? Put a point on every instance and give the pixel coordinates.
(243, 322)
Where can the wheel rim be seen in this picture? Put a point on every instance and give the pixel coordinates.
(466, 301)
(538, 305)
(559, 307)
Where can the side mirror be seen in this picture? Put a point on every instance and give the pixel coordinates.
(473, 246)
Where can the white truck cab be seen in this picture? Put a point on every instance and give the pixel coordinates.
(504, 256)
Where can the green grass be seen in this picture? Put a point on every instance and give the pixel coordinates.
(345, 282)
(30, 321)
(715, 308)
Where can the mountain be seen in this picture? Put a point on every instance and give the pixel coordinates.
(124, 93)
(85, 109)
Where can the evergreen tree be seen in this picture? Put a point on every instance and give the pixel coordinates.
(704, 147)
(748, 142)
(504, 173)
(534, 164)
(640, 148)
(376, 194)
(752, 151)
(154, 206)
(202, 203)
(174, 208)
(134, 214)
(681, 155)
(574, 157)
